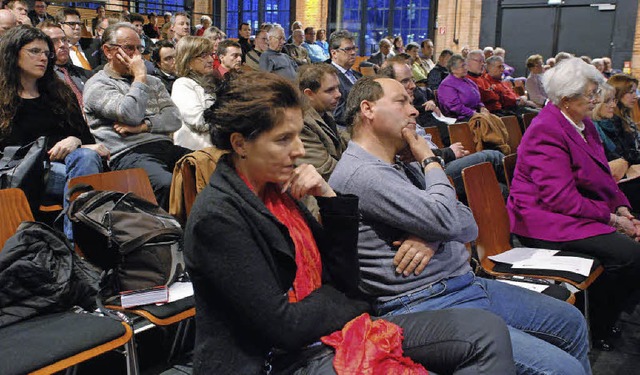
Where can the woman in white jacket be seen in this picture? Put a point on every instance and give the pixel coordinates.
(193, 92)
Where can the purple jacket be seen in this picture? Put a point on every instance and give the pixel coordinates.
(459, 97)
(562, 188)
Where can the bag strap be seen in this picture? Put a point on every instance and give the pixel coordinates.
(113, 314)
(135, 243)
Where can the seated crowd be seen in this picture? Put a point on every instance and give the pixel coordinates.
(309, 140)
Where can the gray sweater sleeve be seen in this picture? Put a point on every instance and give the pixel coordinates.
(433, 214)
(167, 117)
(128, 108)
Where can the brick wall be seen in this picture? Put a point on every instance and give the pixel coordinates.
(312, 13)
(468, 25)
(635, 60)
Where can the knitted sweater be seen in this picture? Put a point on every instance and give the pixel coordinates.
(110, 98)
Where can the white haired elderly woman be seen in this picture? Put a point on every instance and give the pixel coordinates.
(564, 197)
(273, 60)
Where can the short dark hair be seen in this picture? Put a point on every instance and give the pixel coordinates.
(151, 14)
(225, 44)
(453, 61)
(249, 103)
(310, 75)
(244, 23)
(366, 88)
(446, 52)
(309, 30)
(133, 17)
(425, 42)
(155, 51)
(412, 46)
(62, 14)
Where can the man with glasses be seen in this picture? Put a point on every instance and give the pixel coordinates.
(273, 60)
(508, 103)
(343, 55)
(75, 77)
(316, 53)
(131, 112)
(39, 13)
(475, 71)
(69, 18)
(252, 58)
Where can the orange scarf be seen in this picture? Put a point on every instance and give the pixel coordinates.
(309, 267)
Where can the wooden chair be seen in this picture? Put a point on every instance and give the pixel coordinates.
(50, 343)
(129, 180)
(487, 204)
(509, 164)
(527, 118)
(460, 132)
(359, 59)
(367, 71)
(513, 128)
(435, 135)
(519, 90)
(137, 182)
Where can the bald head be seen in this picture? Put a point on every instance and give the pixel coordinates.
(7, 20)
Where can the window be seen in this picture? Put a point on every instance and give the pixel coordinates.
(256, 12)
(160, 6)
(372, 20)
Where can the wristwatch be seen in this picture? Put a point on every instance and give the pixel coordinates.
(432, 159)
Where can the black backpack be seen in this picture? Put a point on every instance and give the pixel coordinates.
(138, 243)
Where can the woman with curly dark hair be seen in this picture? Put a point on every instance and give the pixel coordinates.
(35, 103)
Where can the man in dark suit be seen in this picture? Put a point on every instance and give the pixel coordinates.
(39, 13)
(74, 76)
(343, 55)
(381, 56)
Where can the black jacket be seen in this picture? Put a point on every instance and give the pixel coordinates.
(339, 114)
(241, 261)
(40, 273)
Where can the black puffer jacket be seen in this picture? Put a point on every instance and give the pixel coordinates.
(40, 273)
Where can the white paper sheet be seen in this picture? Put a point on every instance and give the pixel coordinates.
(180, 290)
(577, 265)
(447, 120)
(518, 254)
(531, 286)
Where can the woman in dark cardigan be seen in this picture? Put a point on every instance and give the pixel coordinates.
(269, 280)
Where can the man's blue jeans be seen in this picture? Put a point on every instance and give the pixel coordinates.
(548, 336)
(80, 162)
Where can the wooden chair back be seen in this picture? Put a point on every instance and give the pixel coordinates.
(461, 132)
(509, 164)
(519, 90)
(489, 210)
(356, 64)
(128, 180)
(635, 112)
(513, 128)
(367, 71)
(435, 135)
(14, 209)
(527, 118)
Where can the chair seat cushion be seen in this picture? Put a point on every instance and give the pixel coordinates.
(577, 278)
(35, 343)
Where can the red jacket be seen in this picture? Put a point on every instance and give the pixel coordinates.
(489, 98)
(508, 97)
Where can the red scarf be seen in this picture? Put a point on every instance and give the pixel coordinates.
(309, 267)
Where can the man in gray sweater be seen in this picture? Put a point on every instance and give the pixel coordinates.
(413, 231)
(132, 113)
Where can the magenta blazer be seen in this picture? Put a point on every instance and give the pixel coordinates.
(562, 188)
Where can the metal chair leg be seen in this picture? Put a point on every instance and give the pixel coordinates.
(131, 356)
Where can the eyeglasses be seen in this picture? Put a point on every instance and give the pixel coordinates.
(613, 101)
(204, 55)
(349, 49)
(36, 52)
(594, 95)
(478, 61)
(72, 24)
(128, 48)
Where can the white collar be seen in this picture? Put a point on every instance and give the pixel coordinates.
(579, 127)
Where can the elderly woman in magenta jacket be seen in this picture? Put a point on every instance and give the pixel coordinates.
(564, 197)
